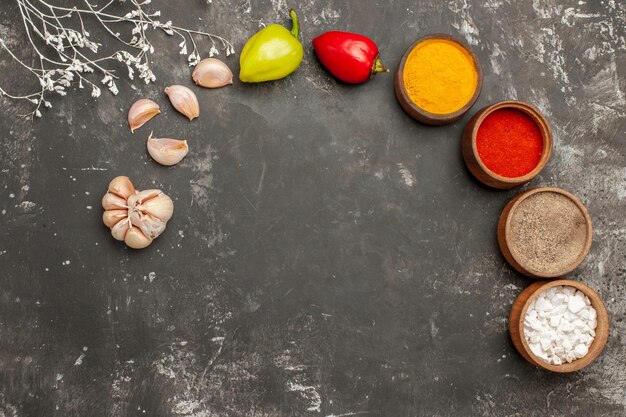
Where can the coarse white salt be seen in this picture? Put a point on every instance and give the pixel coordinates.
(560, 324)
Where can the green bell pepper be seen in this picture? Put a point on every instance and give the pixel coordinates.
(272, 53)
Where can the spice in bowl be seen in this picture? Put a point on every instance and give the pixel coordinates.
(438, 80)
(509, 143)
(560, 325)
(440, 76)
(547, 232)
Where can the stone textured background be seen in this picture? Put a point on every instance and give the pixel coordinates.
(328, 255)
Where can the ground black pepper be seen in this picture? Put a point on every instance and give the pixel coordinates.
(548, 232)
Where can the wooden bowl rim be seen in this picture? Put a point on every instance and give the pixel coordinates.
(540, 120)
(581, 256)
(602, 326)
(449, 117)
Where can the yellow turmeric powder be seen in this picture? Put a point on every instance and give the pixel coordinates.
(440, 76)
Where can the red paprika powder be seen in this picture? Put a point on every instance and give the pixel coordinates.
(509, 143)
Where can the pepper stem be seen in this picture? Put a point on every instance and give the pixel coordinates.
(295, 29)
(379, 67)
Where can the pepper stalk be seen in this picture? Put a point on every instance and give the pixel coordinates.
(378, 66)
(295, 28)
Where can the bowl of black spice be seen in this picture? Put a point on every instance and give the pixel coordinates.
(545, 232)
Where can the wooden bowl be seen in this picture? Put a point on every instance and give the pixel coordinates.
(470, 151)
(504, 233)
(518, 313)
(420, 114)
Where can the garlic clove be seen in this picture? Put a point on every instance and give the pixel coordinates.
(112, 201)
(135, 238)
(160, 207)
(167, 151)
(153, 202)
(111, 217)
(139, 197)
(212, 73)
(121, 186)
(140, 112)
(119, 229)
(183, 100)
(151, 226)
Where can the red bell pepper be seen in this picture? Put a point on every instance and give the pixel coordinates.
(351, 57)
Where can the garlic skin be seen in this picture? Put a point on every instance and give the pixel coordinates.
(153, 202)
(212, 73)
(167, 151)
(140, 112)
(139, 218)
(151, 226)
(184, 100)
(150, 210)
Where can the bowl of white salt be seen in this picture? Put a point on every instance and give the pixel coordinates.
(559, 325)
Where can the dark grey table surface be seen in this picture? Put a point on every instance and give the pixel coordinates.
(328, 255)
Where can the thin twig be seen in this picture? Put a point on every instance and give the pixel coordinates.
(70, 56)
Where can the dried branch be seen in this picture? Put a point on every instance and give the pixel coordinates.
(64, 55)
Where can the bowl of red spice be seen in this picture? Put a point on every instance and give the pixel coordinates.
(507, 144)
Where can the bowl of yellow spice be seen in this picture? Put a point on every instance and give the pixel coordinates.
(439, 79)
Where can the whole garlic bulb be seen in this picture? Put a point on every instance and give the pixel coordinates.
(135, 217)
